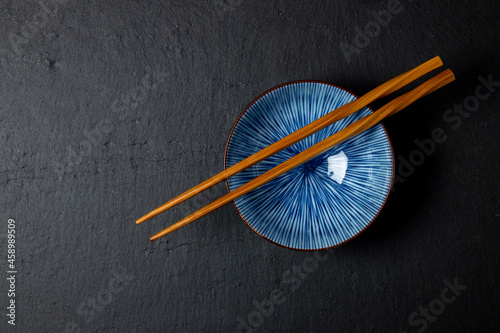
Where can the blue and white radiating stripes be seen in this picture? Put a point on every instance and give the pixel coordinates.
(305, 209)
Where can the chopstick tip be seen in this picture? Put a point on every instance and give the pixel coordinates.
(143, 219)
(155, 237)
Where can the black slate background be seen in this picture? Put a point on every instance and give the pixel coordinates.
(110, 108)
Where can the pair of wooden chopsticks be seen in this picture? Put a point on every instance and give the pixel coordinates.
(348, 132)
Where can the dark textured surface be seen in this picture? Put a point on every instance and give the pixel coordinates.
(109, 108)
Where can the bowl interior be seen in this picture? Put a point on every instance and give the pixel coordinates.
(325, 201)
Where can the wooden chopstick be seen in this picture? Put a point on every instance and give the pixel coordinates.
(348, 132)
(381, 91)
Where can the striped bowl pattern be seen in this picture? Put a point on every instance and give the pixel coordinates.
(325, 201)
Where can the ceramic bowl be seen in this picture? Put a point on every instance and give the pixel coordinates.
(325, 201)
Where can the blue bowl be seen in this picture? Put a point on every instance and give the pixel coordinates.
(325, 201)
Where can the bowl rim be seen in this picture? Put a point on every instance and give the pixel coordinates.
(389, 190)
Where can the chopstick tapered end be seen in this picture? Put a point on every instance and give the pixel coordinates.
(152, 214)
(157, 211)
(158, 235)
(142, 219)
